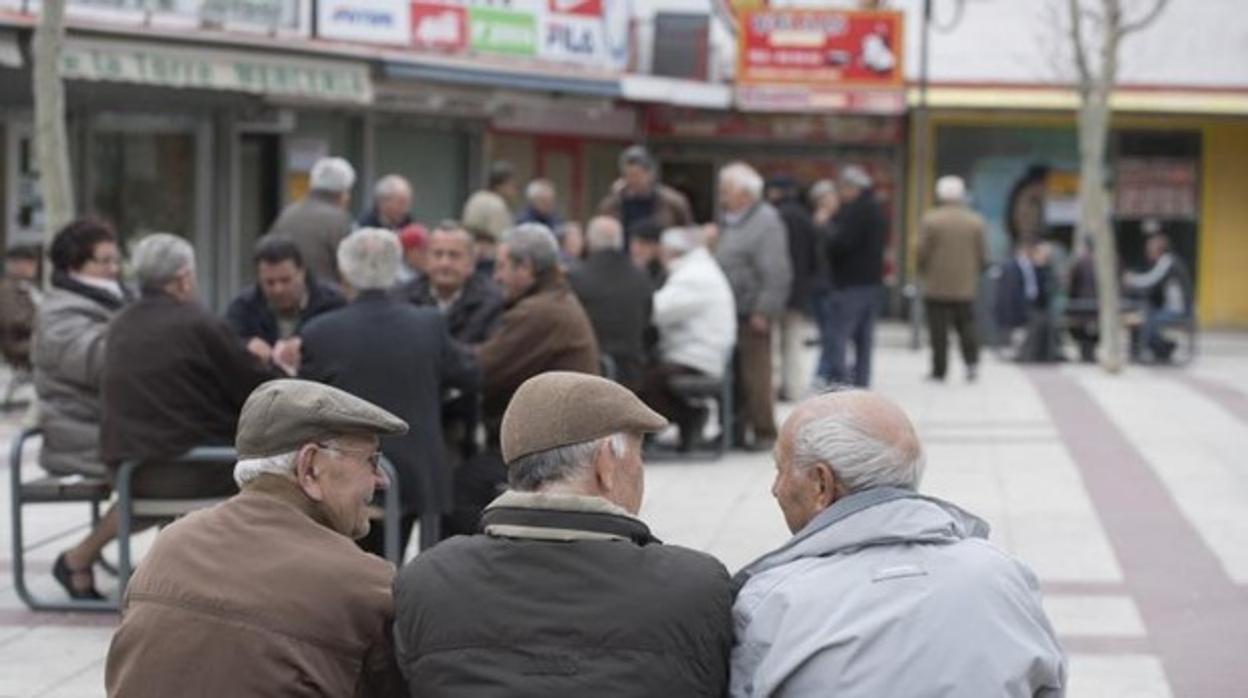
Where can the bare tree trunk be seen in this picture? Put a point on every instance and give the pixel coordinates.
(51, 141)
(1094, 219)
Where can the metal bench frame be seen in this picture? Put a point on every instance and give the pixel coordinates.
(128, 508)
(724, 403)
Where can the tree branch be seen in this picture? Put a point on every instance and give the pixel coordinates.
(1126, 28)
(1076, 37)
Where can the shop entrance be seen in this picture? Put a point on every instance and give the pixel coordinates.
(259, 181)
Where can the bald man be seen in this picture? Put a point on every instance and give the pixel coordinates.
(882, 591)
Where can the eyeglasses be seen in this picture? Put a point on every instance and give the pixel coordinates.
(373, 458)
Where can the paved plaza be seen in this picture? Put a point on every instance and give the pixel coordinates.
(1127, 495)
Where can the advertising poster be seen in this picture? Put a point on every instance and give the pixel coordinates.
(820, 48)
(502, 31)
(439, 26)
(365, 21)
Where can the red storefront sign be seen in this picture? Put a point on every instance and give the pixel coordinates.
(442, 27)
(584, 8)
(820, 48)
(1156, 188)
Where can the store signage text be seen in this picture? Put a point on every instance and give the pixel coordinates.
(285, 17)
(820, 47)
(502, 31)
(366, 21)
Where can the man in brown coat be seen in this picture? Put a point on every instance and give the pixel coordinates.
(266, 594)
(951, 257)
(544, 328)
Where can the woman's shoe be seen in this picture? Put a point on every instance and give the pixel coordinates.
(65, 576)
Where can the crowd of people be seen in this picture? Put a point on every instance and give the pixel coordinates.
(511, 368)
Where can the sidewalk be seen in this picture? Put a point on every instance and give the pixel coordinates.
(1127, 495)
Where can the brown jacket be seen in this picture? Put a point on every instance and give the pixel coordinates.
(256, 597)
(545, 330)
(670, 209)
(951, 252)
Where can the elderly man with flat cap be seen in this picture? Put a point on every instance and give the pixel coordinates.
(566, 592)
(266, 594)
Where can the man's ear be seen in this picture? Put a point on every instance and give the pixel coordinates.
(604, 468)
(827, 484)
(308, 474)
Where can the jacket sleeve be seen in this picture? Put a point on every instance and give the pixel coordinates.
(508, 356)
(775, 271)
(241, 320)
(676, 301)
(73, 346)
(458, 365)
(238, 371)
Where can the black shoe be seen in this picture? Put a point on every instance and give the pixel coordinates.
(65, 577)
(691, 429)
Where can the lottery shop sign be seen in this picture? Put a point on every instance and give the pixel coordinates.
(820, 48)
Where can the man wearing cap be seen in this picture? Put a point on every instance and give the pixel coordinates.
(856, 258)
(566, 592)
(266, 594)
(319, 221)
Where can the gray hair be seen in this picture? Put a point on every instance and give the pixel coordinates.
(539, 187)
(950, 189)
(820, 189)
(249, 469)
(369, 259)
(534, 244)
(391, 185)
(681, 240)
(854, 175)
(332, 175)
(744, 177)
(560, 464)
(604, 233)
(159, 258)
(858, 458)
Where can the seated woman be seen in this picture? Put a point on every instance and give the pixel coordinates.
(68, 359)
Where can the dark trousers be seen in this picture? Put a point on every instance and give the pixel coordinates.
(961, 315)
(657, 393)
(851, 316)
(753, 369)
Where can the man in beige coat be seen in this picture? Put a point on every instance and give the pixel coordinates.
(951, 257)
(267, 594)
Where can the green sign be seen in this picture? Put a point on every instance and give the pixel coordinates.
(502, 31)
(208, 69)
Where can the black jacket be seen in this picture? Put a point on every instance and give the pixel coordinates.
(856, 249)
(250, 316)
(473, 316)
(618, 298)
(801, 230)
(506, 613)
(401, 358)
(372, 219)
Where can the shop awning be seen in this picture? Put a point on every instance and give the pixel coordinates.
(676, 92)
(204, 68)
(486, 75)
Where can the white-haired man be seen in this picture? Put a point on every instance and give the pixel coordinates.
(696, 318)
(856, 257)
(401, 357)
(565, 592)
(617, 297)
(319, 221)
(952, 254)
(392, 204)
(541, 200)
(882, 591)
(753, 250)
(266, 592)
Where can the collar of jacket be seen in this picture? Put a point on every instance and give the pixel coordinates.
(799, 546)
(372, 295)
(550, 282)
(66, 282)
(562, 517)
(288, 492)
(735, 220)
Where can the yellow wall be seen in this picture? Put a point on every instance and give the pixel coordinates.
(1223, 253)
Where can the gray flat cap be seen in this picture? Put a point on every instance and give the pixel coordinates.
(561, 408)
(282, 415)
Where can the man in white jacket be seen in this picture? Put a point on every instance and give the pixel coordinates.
(696, 318)
(882, 591)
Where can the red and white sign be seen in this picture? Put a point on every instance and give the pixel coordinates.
(439, 26)
(820, 47)
(584, 8)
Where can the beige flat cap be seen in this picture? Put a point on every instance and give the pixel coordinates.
(561, 408)
(282, 415)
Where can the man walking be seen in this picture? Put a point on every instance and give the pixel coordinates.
(856, 258)
(951, 256)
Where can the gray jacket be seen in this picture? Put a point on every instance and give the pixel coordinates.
(68, 358)
(889, 593)
(754, 254)
(316, 225)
